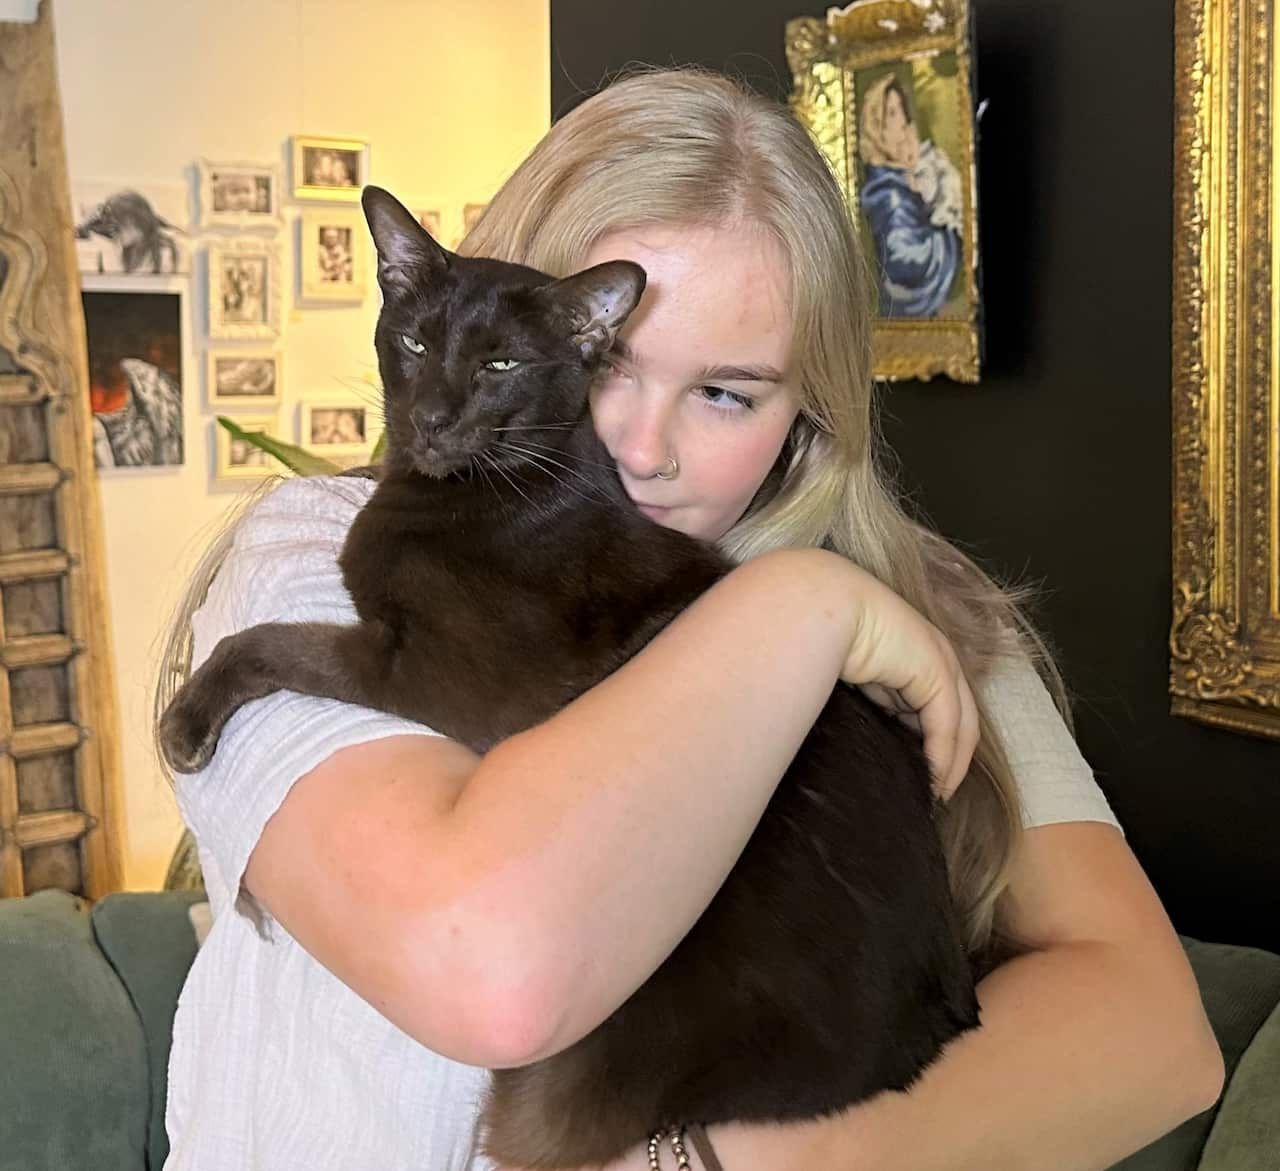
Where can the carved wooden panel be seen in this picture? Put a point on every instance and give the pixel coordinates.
(59, 737)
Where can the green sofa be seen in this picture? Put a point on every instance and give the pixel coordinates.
(87, 997)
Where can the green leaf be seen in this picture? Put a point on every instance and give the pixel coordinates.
(379, 448)
(296, 459)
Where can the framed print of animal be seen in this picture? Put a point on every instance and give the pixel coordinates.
(240, 379)
(331, 170)
(135, 377)
(886, 88)
(244, 289)
(237, 459)
(131, 230)
(239, 195)
(1224, 639)
(332, 252)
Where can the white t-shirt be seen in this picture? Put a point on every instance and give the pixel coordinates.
(275, 1062)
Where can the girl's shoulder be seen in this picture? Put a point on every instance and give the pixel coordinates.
(303, 507)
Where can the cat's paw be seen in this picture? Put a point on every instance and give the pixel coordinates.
(187, 737)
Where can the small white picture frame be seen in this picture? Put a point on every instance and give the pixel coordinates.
(336, 427)
(331, 170)
(234, 459)
(239, 195)
(244, 379)
(244, 281)
(332, 252)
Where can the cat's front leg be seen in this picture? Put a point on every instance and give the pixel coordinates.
(310, 657)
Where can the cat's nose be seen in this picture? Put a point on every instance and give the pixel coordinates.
(434, 421)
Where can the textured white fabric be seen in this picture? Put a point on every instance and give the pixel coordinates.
(1055, 783)
(275, 1063)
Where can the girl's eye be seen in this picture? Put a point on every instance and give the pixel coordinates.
(502, 364)
(728, 401)
(412, 344)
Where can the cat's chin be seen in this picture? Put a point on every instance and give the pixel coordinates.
(438, 466)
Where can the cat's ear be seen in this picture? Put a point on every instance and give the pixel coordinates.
(407, 255)
(595, 302)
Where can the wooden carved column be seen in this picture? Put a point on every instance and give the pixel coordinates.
(59, 733)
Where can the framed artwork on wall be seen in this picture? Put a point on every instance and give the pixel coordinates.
(329, 169)
(240, 379)
(236, 459)
(239, 195)
(135, 377)
(331, 259)
(244, 289)
(336, 427)
(1225, 636)
(131, 230)
(886, 88)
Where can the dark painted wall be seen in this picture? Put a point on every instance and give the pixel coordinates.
(1057, 466)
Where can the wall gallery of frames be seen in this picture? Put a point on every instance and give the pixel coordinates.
(139, 251)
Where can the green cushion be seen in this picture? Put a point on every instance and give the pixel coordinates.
(1246, 1133)
(1240, 987)
(73, 1078)
(148, 939)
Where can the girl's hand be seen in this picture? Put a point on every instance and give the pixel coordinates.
(904, 663)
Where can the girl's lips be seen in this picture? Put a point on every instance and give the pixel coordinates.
(652, 511)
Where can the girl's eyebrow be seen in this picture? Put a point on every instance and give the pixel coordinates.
(754, 372)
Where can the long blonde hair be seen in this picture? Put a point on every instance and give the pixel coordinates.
(685, 147)
(690, 147)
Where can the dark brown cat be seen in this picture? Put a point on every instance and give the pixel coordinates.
(496, 578)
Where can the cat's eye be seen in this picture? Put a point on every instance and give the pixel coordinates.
(412, 344)
(502, 364)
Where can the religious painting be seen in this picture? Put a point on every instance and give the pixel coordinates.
(885, 86)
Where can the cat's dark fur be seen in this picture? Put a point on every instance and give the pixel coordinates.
(829, 966)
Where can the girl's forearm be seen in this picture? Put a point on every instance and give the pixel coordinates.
(1081, 1060)
(586, 851)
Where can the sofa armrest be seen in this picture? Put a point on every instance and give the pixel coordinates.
(1246, 1132)
(1240, 987)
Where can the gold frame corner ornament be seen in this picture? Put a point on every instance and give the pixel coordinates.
(1224, 638)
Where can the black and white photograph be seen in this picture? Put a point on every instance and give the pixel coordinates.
(244, 289)
(336, 427)
(239, 195)
(238, 459)
(331, 264)
(330, 169)
(130, 229)
(135, 377)
(244, 378)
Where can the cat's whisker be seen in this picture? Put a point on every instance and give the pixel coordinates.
(477, 461)
(532, 457)
(549, 459)
(582, 459)
(497, 467)
(535, 427)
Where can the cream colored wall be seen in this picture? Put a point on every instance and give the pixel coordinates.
(451, 95)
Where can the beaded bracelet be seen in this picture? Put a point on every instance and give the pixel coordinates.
(676, 1134)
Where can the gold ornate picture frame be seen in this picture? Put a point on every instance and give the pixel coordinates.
(1225, 636)
(886, 89)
